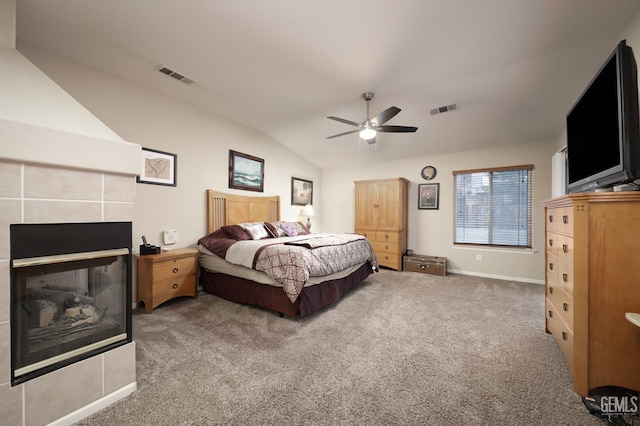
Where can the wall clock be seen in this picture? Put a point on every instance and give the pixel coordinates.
(428, 173)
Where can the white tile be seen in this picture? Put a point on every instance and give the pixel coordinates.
(63, 391)
(119, 367)
(119, 212)
(10, 404)
(10, 180)
(10, 213)
(119, 188)
(5, 292)
(5, 352)
(38, 211)
(61, 184)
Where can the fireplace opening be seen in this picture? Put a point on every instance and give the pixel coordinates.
(70, 294)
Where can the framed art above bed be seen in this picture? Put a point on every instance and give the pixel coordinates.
(301, 192)
(246, 172)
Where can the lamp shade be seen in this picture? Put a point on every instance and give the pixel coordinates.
(308, 210)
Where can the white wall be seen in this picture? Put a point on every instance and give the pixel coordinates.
(431, 231)
(200, 140)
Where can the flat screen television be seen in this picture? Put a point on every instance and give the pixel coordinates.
(603, 131)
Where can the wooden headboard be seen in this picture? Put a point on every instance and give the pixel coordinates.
(231, 209)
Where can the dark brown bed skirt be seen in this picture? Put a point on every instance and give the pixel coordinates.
(311, 298)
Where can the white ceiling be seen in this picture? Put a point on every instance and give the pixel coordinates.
(513, 67)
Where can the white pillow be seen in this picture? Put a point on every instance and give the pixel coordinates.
(257, 232)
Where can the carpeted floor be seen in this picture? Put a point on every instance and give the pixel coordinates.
(402, 349)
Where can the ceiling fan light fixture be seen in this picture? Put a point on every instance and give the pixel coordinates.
(367, 134)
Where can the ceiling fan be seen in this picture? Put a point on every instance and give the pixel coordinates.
(369, 127)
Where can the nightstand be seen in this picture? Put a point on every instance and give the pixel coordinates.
(165, 276)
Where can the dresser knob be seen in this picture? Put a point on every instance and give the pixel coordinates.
(550, 290)
(175, 286)
(386, 247)
(565, 307)
(564, 335)
(550, 314)
(564, 248)
(551, 266)
(550, 242)
(565, 219)
(564, 277)
(175, 270)
(550, 218)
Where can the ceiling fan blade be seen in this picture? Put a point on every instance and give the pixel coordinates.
(342, 134)
(342, 120)
(385, 116)
(396, 129)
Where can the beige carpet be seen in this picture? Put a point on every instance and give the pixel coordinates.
(402, 349)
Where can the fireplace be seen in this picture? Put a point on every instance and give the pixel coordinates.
(70, 294)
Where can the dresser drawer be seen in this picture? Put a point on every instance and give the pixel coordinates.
(387, 237)
(565, 221)
(561, 332)
(564, 277)
(563, 303)
(174, 268)
(552, 243)
(389, 260)
(565, 249)
(385, 248)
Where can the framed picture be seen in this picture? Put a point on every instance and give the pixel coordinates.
(301, 192)
(246, 172)
(428, 196)
(158, 168)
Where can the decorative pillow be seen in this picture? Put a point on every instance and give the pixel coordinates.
(289, 229)
(279, 231)
(272, 230)
(257, 232)
(302, 229)
(236, 232)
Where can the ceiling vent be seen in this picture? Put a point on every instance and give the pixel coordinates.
(174, 74)
(445, 108)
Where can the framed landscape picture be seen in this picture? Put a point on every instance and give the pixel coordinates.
(301, 192)
(158, 168)
(246, 172)
(428, 196)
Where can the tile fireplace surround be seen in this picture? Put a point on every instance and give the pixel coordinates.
(39, 183)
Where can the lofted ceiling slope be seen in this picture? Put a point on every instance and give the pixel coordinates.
(514, 68)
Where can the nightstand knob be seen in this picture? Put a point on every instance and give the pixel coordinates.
(175, 286)
(175, 270)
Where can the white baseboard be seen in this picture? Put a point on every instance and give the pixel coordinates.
(95, 406)
(498, 277)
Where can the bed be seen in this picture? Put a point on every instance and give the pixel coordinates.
(250, 256)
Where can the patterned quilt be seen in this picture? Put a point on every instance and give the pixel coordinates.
(291, 261)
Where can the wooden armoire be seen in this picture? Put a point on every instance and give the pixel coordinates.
(381, 216)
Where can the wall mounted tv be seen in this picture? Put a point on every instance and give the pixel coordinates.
(603, 131)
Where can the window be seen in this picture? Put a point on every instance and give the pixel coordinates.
(493, 206)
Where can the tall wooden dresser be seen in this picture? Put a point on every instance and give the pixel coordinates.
(381, 216)
(592, 279)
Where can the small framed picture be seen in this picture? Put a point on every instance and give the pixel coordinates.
(246, 172)
(428, 196)
(301, 192)
(158, 168)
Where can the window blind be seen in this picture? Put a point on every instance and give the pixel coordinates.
(493, 206)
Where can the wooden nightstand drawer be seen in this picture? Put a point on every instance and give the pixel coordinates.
(173, 268)
(184, 285)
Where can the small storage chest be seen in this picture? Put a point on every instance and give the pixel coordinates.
(433, 265)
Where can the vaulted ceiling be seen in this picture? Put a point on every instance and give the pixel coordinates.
(513, 67)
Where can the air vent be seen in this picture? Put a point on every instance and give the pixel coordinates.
(176, 75)
(445, 108)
